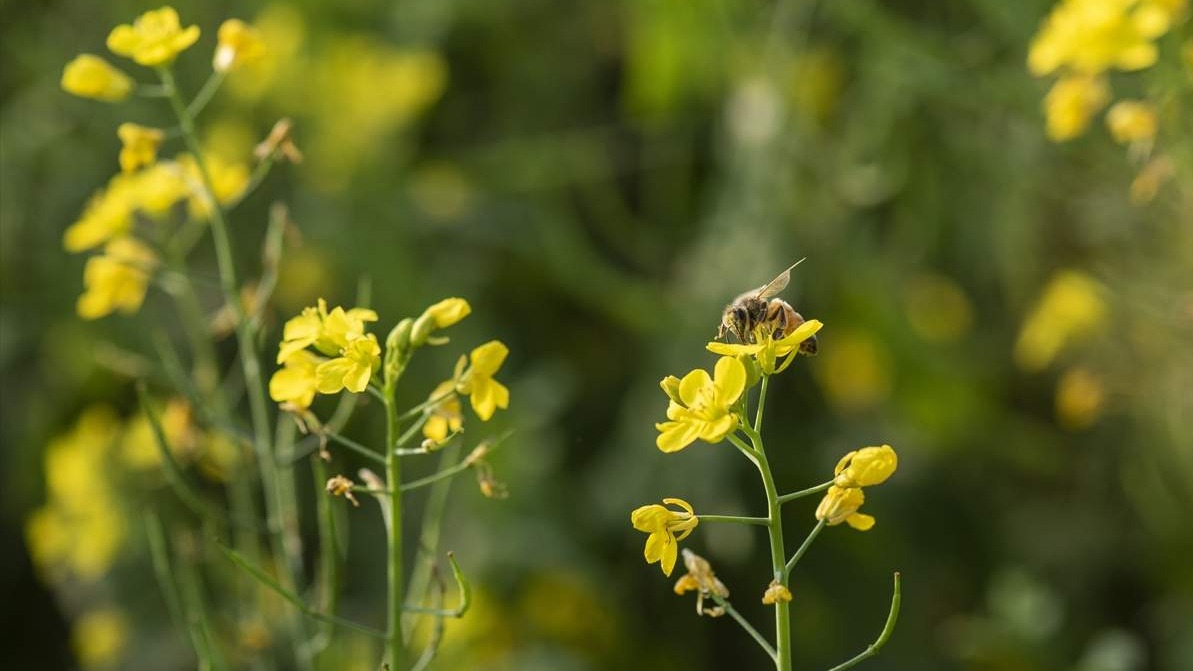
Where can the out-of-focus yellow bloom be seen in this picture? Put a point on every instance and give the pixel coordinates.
(138, 445)
(228, 182)
(156, 189)
(938, 308)
(99, 637)
(856, 371)
(155, 38)
(329, 332)
(89, 76)
(866, 467)
(776, 593)
(138, 145)
(219, 457)
(840, 504)
(1091, 36)
(704, 407)
(116, 280)
(1070, 306)
(352, 369)
(448, 312)
(1080, 397)
(701, 579)
(295, 382)
(662, 523)
(1071, 103)
(1147, 183)
(1131, 121)
(445, 417)
(767, 350)
(485, 393)
(239, 43)
(107, 215)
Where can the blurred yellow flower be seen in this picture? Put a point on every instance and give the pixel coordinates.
(1091, 36)
(156, 189)
(329, 332)
(866, 467)
(662, 523)
(155, 38)
(485, 393)
(768, 350)
(107, 215)
(239, 43)
(228, 181)
(99, 637)
(117, 279)
(89, 76)
(352, 369)
(138, 445)
(1071, 103)
(1070, 306)
(445, 417)
(1080, 398)
(1147, 183)
(704, 408)
(295, 382)
(856, 372)
(1131, 121)
(139, 145)
(447, 312)
(840, 504)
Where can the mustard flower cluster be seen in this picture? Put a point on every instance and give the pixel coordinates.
(866, 467)
(139, 202)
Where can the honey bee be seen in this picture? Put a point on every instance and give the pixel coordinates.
(759, 308)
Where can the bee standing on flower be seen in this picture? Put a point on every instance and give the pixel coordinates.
(760, 309)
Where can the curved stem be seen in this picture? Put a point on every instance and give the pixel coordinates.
(884, 636)
(805, 492)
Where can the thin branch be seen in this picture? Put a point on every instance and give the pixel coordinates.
(745, 624)
(885, 635)
(803, 548)
(805, 492)
(761, 521)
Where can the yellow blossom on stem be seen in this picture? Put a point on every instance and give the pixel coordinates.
(295, 382)
(1131, 121)
(776, 593)
(704, 406)
(445, 417)
(1092, 36)
(155, 38)
(1070, 306)
(329, 332)
(109, 214)
(701, 579)
(1071, 103)
(766, 349)
(228, 182)
(663, 524)
(99, 637)
(139, 145)
(441, 315)
(352, 369)
(117, 279)
(89, 76)
(157, 188)
(239, 43)
(866, 467)
(840, 504)
(485, 393)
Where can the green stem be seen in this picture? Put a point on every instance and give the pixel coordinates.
(426, 404)
(802, 549)
(393, 474)
(354, 446)
(761, 521)
(204, 95)
(885, 635)
(805, 492)
(160, 555)
(428, 542)
(745, 624)
(436, 477)
(761, 403)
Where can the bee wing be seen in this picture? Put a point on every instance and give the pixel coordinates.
(776, 285)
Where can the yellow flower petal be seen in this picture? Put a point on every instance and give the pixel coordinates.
(89, 76)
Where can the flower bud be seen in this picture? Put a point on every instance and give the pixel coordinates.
(776, 593)
(866, 467)
(839, 503)
(670, 387)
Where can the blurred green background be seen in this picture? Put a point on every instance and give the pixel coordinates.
(599, 179)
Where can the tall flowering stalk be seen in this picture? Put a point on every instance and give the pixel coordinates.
(147, 221)
(716, 408)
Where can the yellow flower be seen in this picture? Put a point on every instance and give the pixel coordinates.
(703, 409)
(776, 593)
(295, 382)
(486, 394)
(239, 43)
(1070, 306)
(99, 637)
(352, 369)
(1080, 398)
(445, 417)
(107, 215)
(138, 446)
(329, 332)
(768, 350)
(1091, 36)
(701, 579)
(441, 315)
(662, 523)
(90, 76)
(157, 188)
(1131, 121)
(840, 504)
(155, 38)
(866, 467)
(228, 181)
(138, 145)
(116, 280)
(1071, 103)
